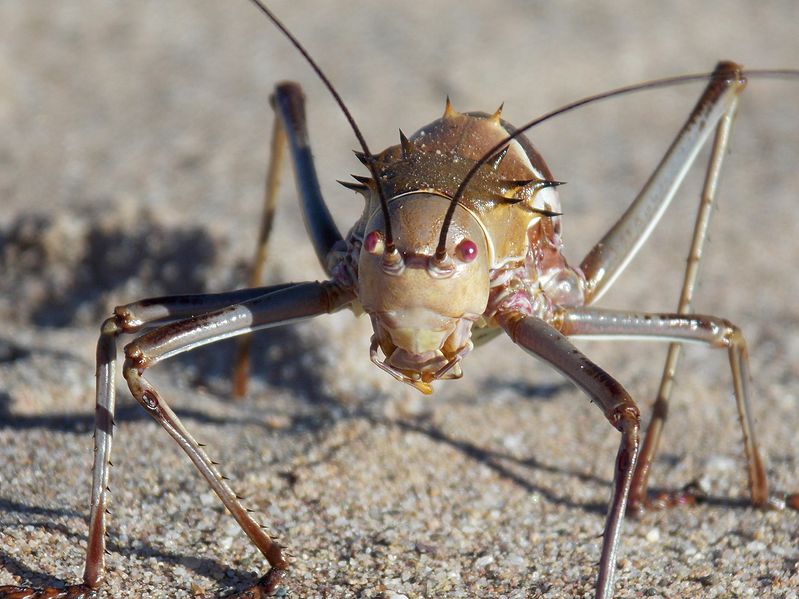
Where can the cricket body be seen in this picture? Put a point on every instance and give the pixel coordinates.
(503, 266)
(503, 248)
(459, 241)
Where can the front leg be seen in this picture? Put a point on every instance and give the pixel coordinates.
(259, 308)
(545, 342)
(299, 302)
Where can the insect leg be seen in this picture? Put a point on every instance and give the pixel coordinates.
(290, 127)
(298, 302)
(638, 493)
(604, 263)
(608, 258)
(276, 154)
(677, 327)
(129, 318)
(545, 342)
(241, 360)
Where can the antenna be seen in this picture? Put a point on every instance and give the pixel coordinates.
(389, 241)
(441, 249)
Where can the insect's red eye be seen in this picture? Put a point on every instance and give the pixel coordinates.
(373, 242)
(467, 250)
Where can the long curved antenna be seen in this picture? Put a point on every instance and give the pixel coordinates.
(441, 249)
(389, 238)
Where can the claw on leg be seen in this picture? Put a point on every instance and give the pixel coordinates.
(691, 494)
(265, 586)
(73, 591)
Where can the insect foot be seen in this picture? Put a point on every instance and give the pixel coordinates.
(691, 494)
(263, 588)
(73, 591)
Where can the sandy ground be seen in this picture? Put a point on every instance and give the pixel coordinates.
(132, 146)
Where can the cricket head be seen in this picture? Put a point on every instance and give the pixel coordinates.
(422, 308)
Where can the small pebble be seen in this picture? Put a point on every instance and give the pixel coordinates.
(653, 536)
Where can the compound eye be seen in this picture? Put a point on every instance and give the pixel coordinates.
(466, 250)
(373, 243)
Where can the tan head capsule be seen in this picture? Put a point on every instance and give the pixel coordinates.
(422, 315)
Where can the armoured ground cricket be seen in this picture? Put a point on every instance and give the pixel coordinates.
(459, 242)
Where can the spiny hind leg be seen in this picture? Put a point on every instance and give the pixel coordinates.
(716, 108)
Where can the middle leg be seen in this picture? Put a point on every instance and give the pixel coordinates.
(708, 330)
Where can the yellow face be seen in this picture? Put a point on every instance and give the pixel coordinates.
(422, 314)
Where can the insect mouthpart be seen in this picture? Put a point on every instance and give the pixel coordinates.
(423, 309)
(419, 355)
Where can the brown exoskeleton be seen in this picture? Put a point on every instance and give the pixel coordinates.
(459, 241)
